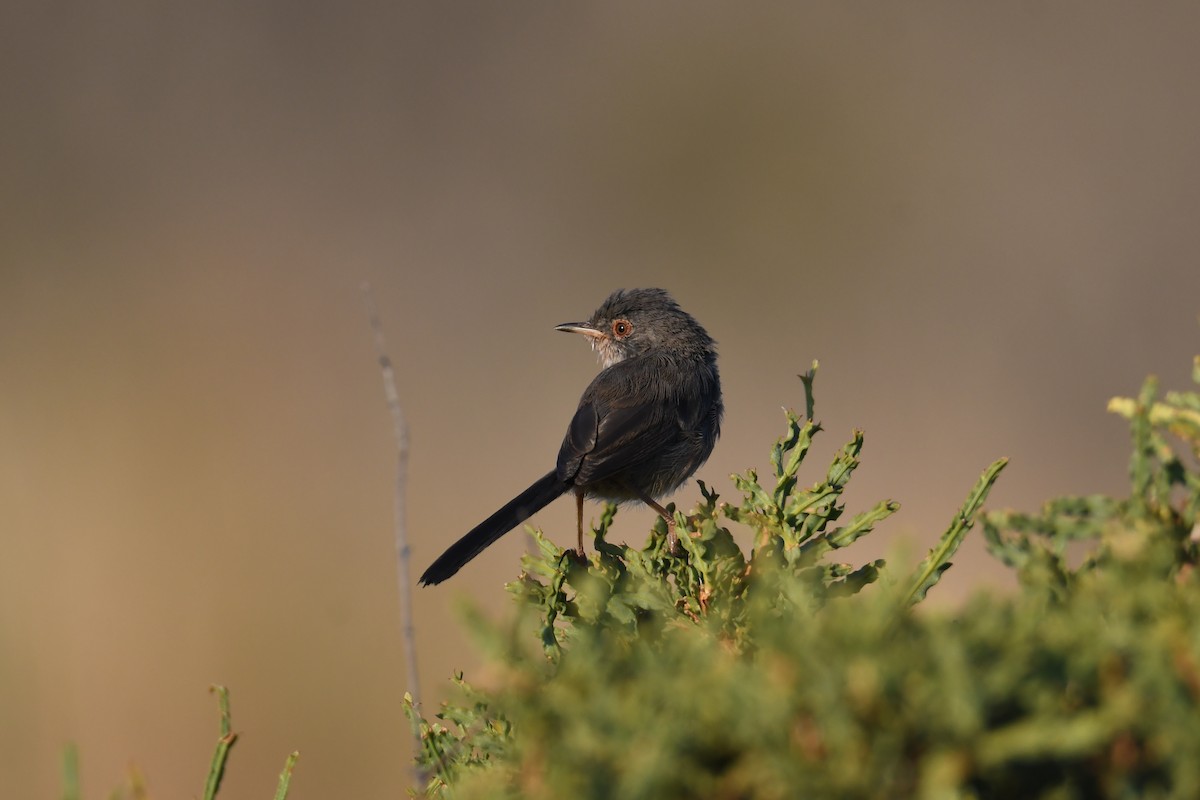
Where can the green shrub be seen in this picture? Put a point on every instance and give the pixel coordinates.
(717, 673)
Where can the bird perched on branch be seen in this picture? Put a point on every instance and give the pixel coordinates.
(644, 425)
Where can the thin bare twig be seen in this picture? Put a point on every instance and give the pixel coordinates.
(400, 432)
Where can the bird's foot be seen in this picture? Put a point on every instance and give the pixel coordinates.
(672, 538)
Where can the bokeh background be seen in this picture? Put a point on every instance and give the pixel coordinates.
(983, 218)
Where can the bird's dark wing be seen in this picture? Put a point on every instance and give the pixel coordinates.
(612, 431)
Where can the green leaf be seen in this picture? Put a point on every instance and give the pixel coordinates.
(938, 560)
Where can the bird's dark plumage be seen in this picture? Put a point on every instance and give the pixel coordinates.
(644, 425)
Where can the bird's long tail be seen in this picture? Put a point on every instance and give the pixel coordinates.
(512, 514)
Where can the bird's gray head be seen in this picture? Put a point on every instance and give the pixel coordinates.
(636, 321)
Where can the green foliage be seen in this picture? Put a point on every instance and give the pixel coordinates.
(1155, 525)
(717, 673)
(136, 787)
(216, 769)
(70, 769)
(225, 741)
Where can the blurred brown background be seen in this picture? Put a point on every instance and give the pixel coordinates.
(982, 218)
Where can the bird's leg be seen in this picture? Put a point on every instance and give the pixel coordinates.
(672, 538)
(579, 519)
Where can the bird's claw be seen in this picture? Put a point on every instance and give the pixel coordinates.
(672, 539)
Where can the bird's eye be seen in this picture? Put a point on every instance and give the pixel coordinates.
(622, 328)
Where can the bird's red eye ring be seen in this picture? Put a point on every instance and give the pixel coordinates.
(622, 328)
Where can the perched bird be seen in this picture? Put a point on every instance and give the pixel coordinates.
(644, 425)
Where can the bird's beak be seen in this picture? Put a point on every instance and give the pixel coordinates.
(586, 328)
